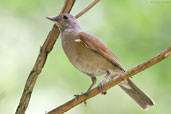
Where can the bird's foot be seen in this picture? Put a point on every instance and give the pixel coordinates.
(100, 88)
(77, 97)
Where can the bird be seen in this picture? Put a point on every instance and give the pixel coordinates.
(91, 56)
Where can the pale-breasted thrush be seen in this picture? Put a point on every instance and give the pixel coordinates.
(90, 56)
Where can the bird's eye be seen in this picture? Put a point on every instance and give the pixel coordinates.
(65, 17)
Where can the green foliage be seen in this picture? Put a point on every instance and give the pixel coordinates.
(133, 30)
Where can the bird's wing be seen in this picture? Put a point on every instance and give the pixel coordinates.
(96, 45)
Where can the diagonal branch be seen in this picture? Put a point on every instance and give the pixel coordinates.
(67, 6)
(41, 59)
(72, 103)
(87, 8)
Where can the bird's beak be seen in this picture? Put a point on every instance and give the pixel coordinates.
(53, 18)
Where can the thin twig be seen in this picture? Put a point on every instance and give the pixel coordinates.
(41, 59)
(72, 103)
(87, 8)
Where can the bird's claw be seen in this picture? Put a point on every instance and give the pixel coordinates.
(100, 88)
(77, 97)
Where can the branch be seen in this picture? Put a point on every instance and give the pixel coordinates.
(67, 6)
(41, 59)
(72, 103)
(87, 8)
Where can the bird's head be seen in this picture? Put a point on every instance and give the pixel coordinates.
(64, 21)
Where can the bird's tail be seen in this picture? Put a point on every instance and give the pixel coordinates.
(143, 100)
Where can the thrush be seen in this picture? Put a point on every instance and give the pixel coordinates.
(92, 57)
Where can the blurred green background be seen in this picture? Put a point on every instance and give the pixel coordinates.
(133, 30)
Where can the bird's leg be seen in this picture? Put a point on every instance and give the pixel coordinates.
(100, 86)
(93, 79)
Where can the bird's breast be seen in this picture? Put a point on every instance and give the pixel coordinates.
(83, 58)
